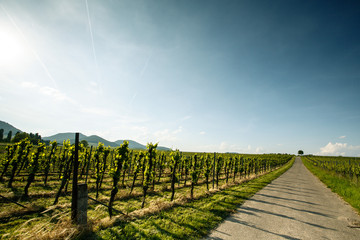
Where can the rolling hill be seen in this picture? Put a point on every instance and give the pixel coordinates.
(8, 127)
(94, 141)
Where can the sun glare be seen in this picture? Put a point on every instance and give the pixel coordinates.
(12, 50)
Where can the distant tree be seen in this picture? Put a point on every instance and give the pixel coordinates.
(1, 134)
(34, 138)
(300, 152)
(20, 136)
(8, 138)
(84, 142)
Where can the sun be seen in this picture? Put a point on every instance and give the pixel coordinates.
(12, 49)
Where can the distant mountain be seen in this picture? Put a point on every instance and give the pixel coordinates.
(132, 144)
(94, 141)
(163, 148)
(60, 137)
(7, 128)
(136, 145)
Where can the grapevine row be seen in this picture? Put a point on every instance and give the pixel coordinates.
(128, 168)
(345, 166)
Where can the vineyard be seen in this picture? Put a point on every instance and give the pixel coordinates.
(346, 167)
(36, 181)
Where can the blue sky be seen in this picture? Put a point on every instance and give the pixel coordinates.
(239, 76)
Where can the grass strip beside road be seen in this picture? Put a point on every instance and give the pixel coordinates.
(348, 190)
(191, 220)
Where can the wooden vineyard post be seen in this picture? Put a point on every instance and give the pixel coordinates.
(82, 203)
(74, 199)
(88, 164)
(214, 171)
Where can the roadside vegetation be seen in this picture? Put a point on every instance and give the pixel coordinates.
(340, 174)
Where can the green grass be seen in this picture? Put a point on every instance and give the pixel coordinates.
(192, 220)
(347, 189)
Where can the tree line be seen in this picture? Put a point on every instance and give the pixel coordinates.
(34, 138)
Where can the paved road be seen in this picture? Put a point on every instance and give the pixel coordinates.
(294, 206)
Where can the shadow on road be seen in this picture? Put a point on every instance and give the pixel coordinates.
(292, 208)
(235, 220)
(275, 189)
(286, 199)
(284, 216)
(289, 188)
(245, 212)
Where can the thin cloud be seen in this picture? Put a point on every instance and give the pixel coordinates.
(179, 130)
(259, 150)
(93, 44)
(336, 149)
(167, 135)
(29, 85)
(98, 111)
(225, 147)
(185, 118)
(164, 135)
(342, 137)
(132, 99)
(146, 65)
(54, 93)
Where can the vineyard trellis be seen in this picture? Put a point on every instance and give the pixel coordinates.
(348, 167)
(133, 172)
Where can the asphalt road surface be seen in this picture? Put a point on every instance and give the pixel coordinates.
(294, 206)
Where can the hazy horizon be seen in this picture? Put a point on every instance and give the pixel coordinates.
(206, 76)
